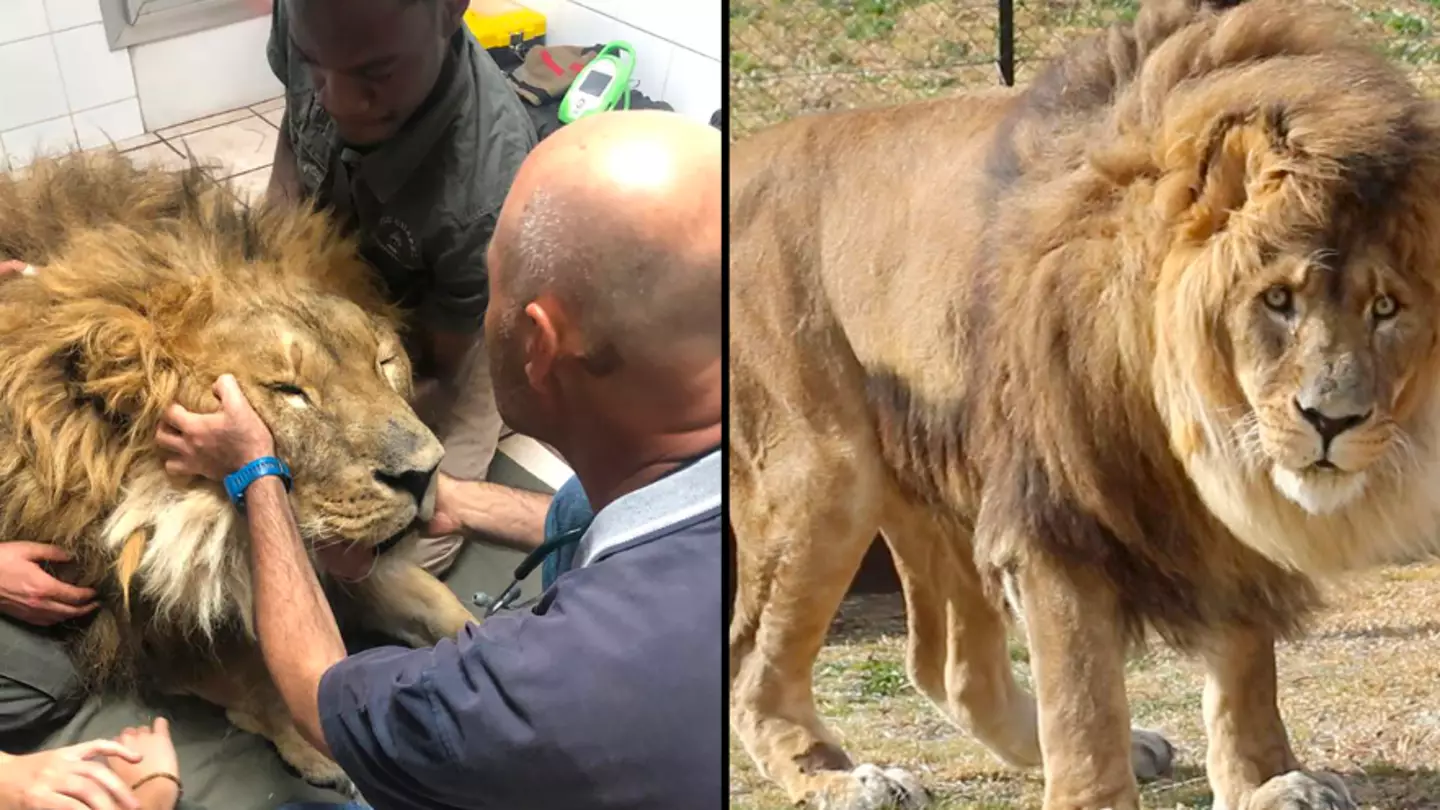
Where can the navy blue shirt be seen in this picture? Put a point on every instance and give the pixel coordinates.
(607, 694)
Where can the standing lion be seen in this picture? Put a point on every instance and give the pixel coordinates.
(154, 284)
(1153, 340)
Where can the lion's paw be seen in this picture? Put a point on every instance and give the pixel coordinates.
(869, 787)
(1151, 755)
(1302, 790)
(329, 776)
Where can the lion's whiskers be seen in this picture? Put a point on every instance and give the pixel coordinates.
(1245, 440)
(1403, 457)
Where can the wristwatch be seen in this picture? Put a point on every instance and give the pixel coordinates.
(237, 482)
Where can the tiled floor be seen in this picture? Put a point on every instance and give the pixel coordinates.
(238, 147)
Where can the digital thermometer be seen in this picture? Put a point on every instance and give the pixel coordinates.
(601, 84)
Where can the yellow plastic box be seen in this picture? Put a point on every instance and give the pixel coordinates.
(505, 24)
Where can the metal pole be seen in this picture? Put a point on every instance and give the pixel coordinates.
(1006, 31)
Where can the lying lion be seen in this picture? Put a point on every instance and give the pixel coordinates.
(153, 284)
(1154, 340)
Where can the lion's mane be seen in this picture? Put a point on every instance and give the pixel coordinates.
(135, 261)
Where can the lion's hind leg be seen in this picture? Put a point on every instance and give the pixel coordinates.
(958, 653)
(803, 514)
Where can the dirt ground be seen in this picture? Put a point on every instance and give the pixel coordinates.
(1361, 696)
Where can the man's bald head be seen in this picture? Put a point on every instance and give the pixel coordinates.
(618, 218)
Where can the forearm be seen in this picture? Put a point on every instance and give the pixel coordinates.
(505, 515)
(298, 635)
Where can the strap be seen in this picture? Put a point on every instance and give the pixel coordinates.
(161, 775)
(237, 482)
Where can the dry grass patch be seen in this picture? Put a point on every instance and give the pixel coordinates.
(793, 56)
(1361, 696)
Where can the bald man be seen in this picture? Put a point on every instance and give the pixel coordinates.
(604, 331)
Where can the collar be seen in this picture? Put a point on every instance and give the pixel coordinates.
(385, 169)
(681, 497)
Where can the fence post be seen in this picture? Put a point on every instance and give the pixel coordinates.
(1006, 32)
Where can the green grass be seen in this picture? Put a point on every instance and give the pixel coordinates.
(794, 56)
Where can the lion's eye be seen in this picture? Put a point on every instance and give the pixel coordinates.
(1385, 307)
(1279, 299)
(294, 393)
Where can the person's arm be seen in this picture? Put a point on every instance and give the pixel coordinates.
(298, 635)
(299, 639)
(480, 510)
(453, 310)
(157, 753)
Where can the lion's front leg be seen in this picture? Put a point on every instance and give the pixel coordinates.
(253, 703)
(1250, 762)
(1077, 650)
(405, 602)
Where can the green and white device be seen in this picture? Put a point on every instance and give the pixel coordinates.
(601, 84)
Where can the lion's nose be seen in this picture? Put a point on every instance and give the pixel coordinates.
(1330, 426)
(414, 482)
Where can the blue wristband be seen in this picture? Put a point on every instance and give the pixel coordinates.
(237, 482)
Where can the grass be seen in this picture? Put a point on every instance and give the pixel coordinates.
(1361, 696)
(793, 56)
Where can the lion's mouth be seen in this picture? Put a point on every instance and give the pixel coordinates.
(349, 562)
(353, 562)
(1324, 465)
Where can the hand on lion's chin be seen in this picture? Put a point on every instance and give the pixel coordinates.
(346, 561)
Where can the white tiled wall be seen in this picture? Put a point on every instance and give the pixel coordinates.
(208, 72)
(678, 43)
(60, 84)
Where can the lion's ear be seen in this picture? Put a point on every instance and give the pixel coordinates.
(1243, 163)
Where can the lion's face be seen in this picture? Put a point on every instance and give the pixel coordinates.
(331, 382)
(1324, 353)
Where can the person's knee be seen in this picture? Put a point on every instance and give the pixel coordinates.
(438, 554)
(39, 688)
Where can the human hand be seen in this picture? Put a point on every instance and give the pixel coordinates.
(446, 520)
(213, 445)
(67, 779)
(29, 593)
(157, 753)
(8, 266)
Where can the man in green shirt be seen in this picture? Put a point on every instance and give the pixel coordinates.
(399, 122)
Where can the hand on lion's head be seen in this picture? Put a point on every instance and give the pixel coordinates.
(332, 401)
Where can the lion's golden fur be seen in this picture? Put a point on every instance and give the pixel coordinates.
(1019, 333)
(152, 284)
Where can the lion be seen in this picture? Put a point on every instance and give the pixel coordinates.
(1150, 344)
(152, 284)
